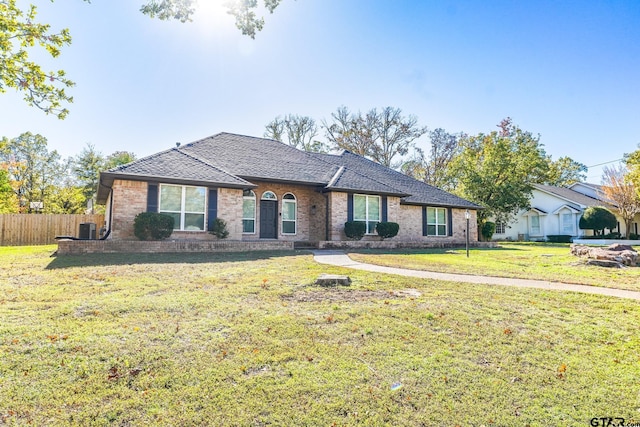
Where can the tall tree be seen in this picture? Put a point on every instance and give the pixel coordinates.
(8, 199)
(297, 131)
(497, 170)
(118, 158)
(35, 170)
(436, 168)
(86, 168)
(620, 190)
(380, 135)
(564, 172)
(20, 32)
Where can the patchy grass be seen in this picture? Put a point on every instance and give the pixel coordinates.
(248, 340)
(544, 261)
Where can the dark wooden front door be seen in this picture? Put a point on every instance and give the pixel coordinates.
(268, 219)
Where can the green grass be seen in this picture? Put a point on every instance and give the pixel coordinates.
(545, 261)
(248, 340)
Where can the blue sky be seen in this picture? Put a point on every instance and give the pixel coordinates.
(568, 71)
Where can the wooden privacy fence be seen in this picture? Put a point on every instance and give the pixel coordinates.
(41, 229)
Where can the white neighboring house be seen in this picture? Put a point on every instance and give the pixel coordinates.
(557, 210)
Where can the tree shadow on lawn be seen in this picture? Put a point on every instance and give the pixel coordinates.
(88, 260)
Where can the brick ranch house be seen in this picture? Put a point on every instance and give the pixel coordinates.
(267, 190)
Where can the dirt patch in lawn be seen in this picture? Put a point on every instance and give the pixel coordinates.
(341, 295)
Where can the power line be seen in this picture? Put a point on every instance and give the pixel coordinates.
(605, 163)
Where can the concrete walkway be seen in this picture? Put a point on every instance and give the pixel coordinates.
(340, 259)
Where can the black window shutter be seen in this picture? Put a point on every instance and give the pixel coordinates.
(349, 207)
(449, 222)
(212, 210)
(152, 197)
(384, 208)
(424, 220)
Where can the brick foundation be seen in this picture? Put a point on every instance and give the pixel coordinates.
(80, 247)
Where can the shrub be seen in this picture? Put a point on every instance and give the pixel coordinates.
(487, 229)
(613, 235)
(387, 230)
(633, 236)
(355, 229)
(559, 238)
(597, 218)
(152, 226)
(219, 228)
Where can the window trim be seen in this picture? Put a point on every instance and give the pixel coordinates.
(538, 232)
(437, 224)
(183, 212)
(572, 221)
(251, 196)
(265, 195)
(366, 220)
(501, 228)
(293, 201)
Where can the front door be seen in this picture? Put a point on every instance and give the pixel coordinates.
(268, 219)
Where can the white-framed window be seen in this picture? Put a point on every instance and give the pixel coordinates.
(436, 221)
(269, 195)
(248, 212)
(186, 204)
(534, 225)
(367, 209)
(500, 227)
(289, 214)
(568, 224)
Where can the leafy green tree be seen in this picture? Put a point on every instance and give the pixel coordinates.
(86, 168)
(20, 33)
(67, 199)
(597, 218)
(8, 199)
(564, 172)
(297, 131)
(436, 168)
(119, 158)
(379, 135)
(497, 170)
(34, 169)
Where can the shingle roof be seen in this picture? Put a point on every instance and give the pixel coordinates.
(417, 192)
(176, 164)
(571, 195)
(234, 160)
(261, 158)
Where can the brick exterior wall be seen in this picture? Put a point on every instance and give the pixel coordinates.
(230, 209)
(311, 212)
(130, 198)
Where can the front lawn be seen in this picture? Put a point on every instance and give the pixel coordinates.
(248, 340)
(543, 261)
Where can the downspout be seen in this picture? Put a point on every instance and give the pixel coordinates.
(326, 217)
(108, 231)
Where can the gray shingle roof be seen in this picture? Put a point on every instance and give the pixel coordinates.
(176, 164)
(234, 160)
(260, 158)
(417, 192)
(571, 195)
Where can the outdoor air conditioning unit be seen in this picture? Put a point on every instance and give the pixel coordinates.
(87, 230)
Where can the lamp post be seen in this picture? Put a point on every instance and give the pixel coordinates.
(467, 215)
